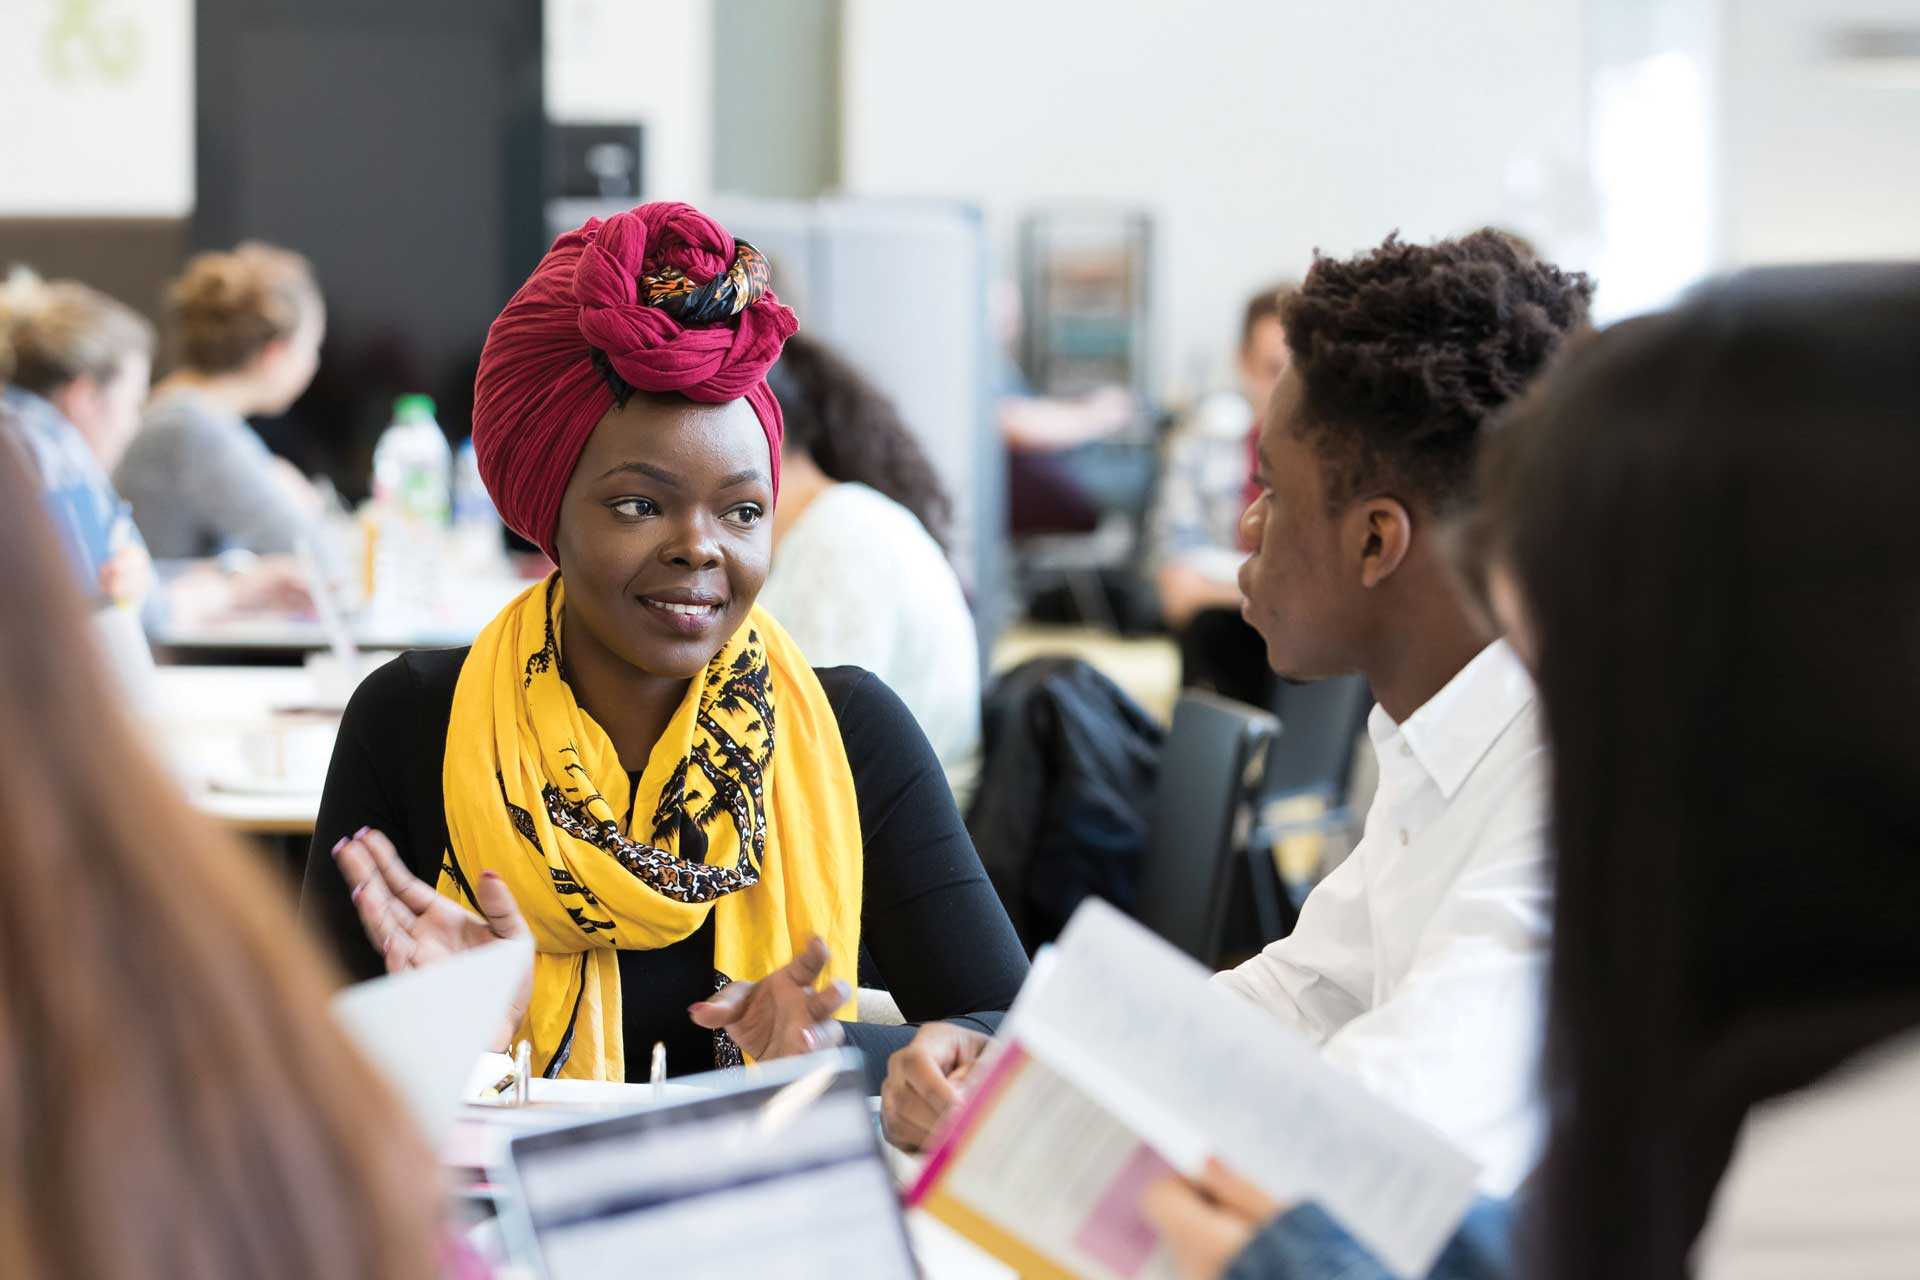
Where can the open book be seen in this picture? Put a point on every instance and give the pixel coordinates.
(1121, 1064)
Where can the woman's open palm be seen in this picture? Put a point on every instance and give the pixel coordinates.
(782, 1014)
(411, 925)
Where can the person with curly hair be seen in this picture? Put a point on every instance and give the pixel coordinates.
(246, 326)
(1733, 1029)
(1417, 963)
(861, 504)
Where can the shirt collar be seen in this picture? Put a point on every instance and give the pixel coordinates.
(1454, 728)
(29, 405)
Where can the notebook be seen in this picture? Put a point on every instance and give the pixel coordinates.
(777, 1170)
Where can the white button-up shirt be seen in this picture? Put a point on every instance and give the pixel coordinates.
(1419, 963)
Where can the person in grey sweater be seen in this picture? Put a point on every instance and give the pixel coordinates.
(246, 325)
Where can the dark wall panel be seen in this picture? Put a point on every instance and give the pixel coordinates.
(398, 146)
(130, 258)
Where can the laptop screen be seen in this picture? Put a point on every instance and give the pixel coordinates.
(719, 1187)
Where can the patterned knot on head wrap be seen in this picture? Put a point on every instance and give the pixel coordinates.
(726, 295)
(659, 295)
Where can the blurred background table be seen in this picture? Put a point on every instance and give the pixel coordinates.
(251, 744)
(267, 639)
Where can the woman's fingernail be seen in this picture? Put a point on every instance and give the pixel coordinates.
(361, 834)
(808, 1038)
(338, 845)
(489, 875)
(355, 895)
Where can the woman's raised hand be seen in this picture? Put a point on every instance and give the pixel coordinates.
(410, 925)
(783, 1013)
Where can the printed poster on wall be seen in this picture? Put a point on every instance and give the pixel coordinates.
(98, 100)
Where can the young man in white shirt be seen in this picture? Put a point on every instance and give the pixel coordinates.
(1417, 963)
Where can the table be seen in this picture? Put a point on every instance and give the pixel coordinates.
(466, 607)
(248, 743)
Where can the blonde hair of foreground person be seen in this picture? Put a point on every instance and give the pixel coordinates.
(175, 1099)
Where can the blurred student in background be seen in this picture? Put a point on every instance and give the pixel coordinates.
(1204, 486)
(1058, 480)
(80, 362)
(177, 1100)
(246, 327)
(75, 369)
(1700, 534)
(859, 576)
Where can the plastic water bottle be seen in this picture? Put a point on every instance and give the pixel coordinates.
(478, 545)
(412, 470)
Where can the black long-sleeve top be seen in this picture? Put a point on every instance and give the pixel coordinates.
(932, 930)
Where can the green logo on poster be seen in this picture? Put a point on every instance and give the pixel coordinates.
(85, 43)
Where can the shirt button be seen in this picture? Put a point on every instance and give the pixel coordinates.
(1405, 750)
(1405, 837)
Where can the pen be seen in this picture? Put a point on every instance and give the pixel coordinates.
(659, 1074)
(499, 1086)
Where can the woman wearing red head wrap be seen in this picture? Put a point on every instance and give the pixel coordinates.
(633, 762)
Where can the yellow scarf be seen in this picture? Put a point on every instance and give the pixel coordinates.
(535, 794)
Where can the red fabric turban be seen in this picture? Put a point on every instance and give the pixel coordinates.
(669, 299)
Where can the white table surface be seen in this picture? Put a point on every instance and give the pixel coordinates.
(466, 607)
(246, 743)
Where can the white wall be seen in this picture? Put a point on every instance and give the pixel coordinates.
(1255, 132)
(646, 60)
(98, 108)
(1817, 161)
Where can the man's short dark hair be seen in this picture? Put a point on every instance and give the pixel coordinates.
(1406, 351)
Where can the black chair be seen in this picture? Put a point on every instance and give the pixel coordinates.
(1319, 723)
(1210, 773)
(1312, 755)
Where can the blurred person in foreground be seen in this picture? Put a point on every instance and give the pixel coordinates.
(1417, 963)
(1699, 532)
(1204, 483)
(245, 326)
(178, 1100)
(859, 576)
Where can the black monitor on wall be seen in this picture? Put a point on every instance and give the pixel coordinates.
(400, 147)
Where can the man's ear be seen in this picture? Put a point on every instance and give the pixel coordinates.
(1383, 528)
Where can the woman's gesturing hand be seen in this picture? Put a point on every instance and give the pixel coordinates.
(410, 925)
(781, 1014)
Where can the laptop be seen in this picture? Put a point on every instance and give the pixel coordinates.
(777, 1170)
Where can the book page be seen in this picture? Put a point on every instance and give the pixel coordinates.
(1137, 1027)
(1048, 1181)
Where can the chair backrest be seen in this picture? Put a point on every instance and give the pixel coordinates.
(1314, 750)
(1209, 772)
